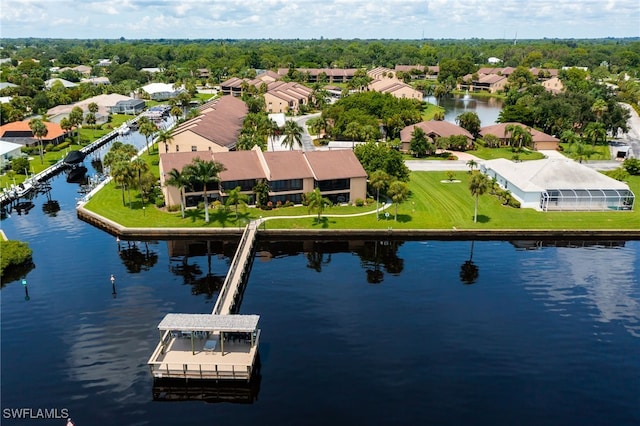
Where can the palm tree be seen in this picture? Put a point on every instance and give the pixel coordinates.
(93, 107)
(353, 131)
(378, 180)
(76, 117)
(472, 164)
(292, 134)
(518, 135)
(595, 132)
(66, 125)
(204, 172)
(317, 202)
(39, 130)
(235, 197)
(273, 131)
(399, 192)
(147, 128)
(469, 121)
(139, 167)
(478, 185)
(121, 173)
(599, 107)
(165, 137)
(178, 180)
(315, 126)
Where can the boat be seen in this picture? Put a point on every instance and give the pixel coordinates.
(124, 130)
(74, 157)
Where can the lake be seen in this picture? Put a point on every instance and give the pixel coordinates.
(487, 108)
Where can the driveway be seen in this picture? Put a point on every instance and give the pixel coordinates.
(632, 137)
(307, 142)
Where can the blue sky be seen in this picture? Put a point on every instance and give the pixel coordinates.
(307, 19)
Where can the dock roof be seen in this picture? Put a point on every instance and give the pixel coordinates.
(209, 322)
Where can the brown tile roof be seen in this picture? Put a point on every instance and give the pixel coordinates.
(338, 164)
(285, 165)
(12, 129)
(240, 165)
(177, 160)
(330, 72)
(220, 121)
(435, 128)
(499, 131)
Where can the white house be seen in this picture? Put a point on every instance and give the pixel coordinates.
(559, 184)
(8, 151)
(162, 91)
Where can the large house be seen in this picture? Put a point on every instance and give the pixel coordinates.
(162, 91)
(540, 140)
(433, 129)
(9, 151)
(384, 81)
(216, 128)
(419, 72)
(19, 132)
(106, 105)
(289, 174)
(284, 97)
(559, 184)
(329, 75)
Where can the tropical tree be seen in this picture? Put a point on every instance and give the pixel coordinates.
(472, 164)
(76, 117)
(379, 180)
(65, 124)
(317, 202)
(419, 144)
(235, 197)
(122, 175)
(292, 134)
(178, 180)
(273, 132)
(478, 185)
(147, 129)
(439, 115)
(39, 130)
(93, 107)
(353, 131)
(261, 190)
(470, 122)
(399, 192)
(139, 168)
(204, 173)
(599, 108)
(91, 119)
(518, 135)
(316, 125)
(595, 132)
(165, 137)
(176, 111)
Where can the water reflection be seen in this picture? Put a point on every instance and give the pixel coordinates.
(236, 391)
(469, 271)
(136, 260)
(605, 280)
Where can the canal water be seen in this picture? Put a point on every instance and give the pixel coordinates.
(353, 332)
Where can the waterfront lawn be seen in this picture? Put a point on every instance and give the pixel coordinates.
(437, 205)
(598, 152)
(504, 152)
(434, 203)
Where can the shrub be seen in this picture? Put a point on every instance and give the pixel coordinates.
(452, 157)
(632, 166)
(50, 147)
(155, 162)
(63, 145)
(278, 204)
(359, 202)
(620, 174)
(159, 202)
(19, 165)
(289, 204)
(370, 200)
(14, 253)
(514, 203)
(173, 208)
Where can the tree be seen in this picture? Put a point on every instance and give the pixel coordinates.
(262, 193)
(91, 119)
(316, 125)
(235, 197)
(353, 131)
(39, 130)
(379, 180)
(122, 175)
(273, 132)
(478, 185)
(317, 202)
(399, 192)
(147, 129)
(292, 134)
(178, 180)
(165, 137)
(599, 107)
(76, 117)
(472, 164)
(93, 107)
(419, 143)
(65, 124)
(470, 122)
(139, 167)
(204, 173)
(595, 132)
(518, 135)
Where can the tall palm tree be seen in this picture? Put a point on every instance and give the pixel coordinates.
(235, 197)
(122, 175)
(66, 125)
(472, 164)
(147, 129)
(204, 173)
(273, 131)
(39, 130)
(519, 135)
(599, 107)
(292, 134)
(478, 185)
(317, 202)
(165, 137)
(76, 117)
(139, 167)
(178, 180)
(378, 180)
(399, 192)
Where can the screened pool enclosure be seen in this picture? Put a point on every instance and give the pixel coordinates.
(586, 199)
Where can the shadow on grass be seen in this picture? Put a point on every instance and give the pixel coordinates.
(483, 218)
(194, 214)
(323, 223)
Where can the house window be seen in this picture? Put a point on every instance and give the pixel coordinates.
(177, 148)
(194, 148)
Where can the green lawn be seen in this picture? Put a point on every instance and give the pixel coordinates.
(432, 205)
(504, 152)
(600, 152)
(430, 110)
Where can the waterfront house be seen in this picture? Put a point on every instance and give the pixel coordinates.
(433, 129)
(289, 175)
(540, 140)
(19, 132)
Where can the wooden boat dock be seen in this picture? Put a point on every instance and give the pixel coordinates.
(217, 346)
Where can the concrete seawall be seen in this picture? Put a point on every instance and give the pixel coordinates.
(406, 234)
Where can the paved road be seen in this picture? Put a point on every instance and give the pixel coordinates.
(632, 137)
(307, 142)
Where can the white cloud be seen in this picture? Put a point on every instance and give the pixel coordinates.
(331, 18)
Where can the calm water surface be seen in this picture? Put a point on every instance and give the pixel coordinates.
(359, 332)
